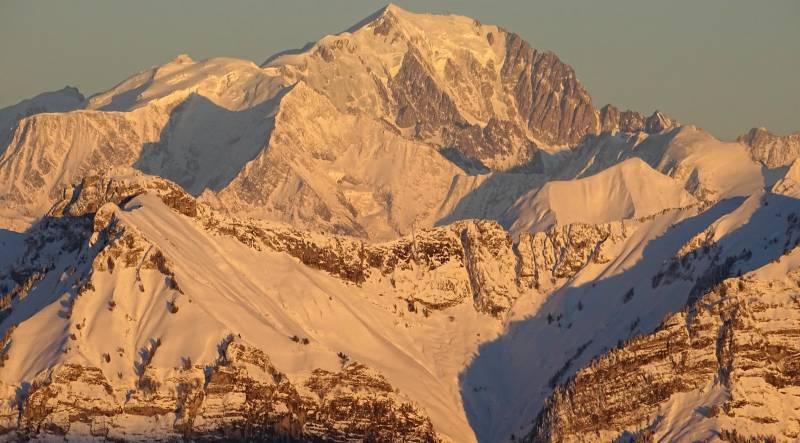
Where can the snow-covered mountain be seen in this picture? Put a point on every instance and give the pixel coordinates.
(444, 99)
(419, 229)
(630, 189)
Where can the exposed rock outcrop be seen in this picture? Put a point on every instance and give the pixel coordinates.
(612, 120)
(732, 357)
(548, 95)
(422, 105)
(563, 250)
(94, 191)
(446, 265)
(770, 149)
(242, 396)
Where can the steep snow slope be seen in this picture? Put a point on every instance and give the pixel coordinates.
(630, 189)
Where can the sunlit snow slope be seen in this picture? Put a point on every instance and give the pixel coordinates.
(419, 229)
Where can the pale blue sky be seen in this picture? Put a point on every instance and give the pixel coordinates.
(724, 65)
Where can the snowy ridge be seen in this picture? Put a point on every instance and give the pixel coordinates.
(64, 100)
(631, 189)
(127, 265)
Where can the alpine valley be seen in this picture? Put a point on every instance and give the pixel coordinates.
(421, 229)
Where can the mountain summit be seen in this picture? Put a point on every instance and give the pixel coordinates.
(447, 91)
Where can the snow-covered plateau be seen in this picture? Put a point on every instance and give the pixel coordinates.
(420, 229)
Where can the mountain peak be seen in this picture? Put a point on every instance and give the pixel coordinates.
(392, 8)
(658, 122)
(377, 17)
(72, 91)
(182, 59)
(771, 149)
(613, 120)
(759, 132)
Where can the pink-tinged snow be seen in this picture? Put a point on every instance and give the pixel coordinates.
(266, 297)
(630, 189)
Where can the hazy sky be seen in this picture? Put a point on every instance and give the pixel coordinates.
(723, 65)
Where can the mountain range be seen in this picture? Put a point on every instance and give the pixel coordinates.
(420, 229)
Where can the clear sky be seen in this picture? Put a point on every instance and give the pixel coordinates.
(724, 65)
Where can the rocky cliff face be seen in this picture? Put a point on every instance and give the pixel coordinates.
(563, 250)
(466, 261)
(549, 98)
(94, 191)
(241, 396)
(772, 150)
(726, 365)
(613, 121)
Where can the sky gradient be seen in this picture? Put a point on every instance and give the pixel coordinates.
(723, 65)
